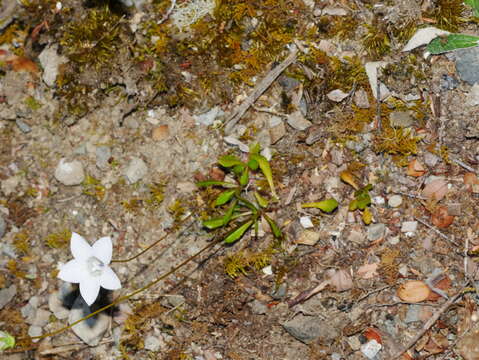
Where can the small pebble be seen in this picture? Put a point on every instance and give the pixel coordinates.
(409, 227)
(103, 154)
(135, 170)
(152, 343)
(371, 349)
(70, 173)
(306, 222)
(395, 201)
(23, 126)
(3, 227)
(376, 231)
(401, 119)
(361, 99)
(7, 294)
(34, 330)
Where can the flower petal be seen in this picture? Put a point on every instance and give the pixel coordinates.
(109, 280)
(102, 249)
(89, 290)
(80, 249)
(71, 271)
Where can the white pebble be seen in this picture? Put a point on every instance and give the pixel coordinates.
(395, 201)
(306, 222)
(69, 173)
(371, 349)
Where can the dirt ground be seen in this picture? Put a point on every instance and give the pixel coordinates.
(111, 112)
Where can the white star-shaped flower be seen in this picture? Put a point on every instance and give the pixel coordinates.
(89, 267)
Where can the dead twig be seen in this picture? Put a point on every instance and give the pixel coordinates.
(168, 13)
(444, 236)
(430, 323)
(264, 84)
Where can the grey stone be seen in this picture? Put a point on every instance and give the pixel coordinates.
(279, 292)
(42, 317)
(409, 226)
(57, 307)
(6, 295)
(308, 329)
(34, 330)
(258, 308)
(103, 154)
(297, 121)
(135, 170)
(3, 227)
(209, 117)
(467, 65)
(175, 300)
(50, 61)
(277, 129)
(412, 314)
(131, 123)
(357, 146)
(288, 83)
(70, 173)
(23, 126)
(361, 99)
(90, 331)
(395, 201)
(152, 343)
(376, 231)
(401, 119)
(431, 159)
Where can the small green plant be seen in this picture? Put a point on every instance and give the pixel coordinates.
(243, 210)
(361, 201)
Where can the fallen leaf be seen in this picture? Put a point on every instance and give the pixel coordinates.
(415, 168)
(21, 63)
(348, 178)
(368, 271)
(435, 190)
(441, 218)
(470, 180)
(443, 284)
(423, 37)
(340, 279)
(372, 334)
(413, 291)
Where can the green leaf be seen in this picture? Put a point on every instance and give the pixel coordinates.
(254, 149)
(326, 205)
(353, 205)
(475, 6)
(229, 161)
(266, 170)
(261, 200)
(451, 42)
(7, 341)
(238, 169)
(229, 213)
(238, 232)
(244, 178)
(253, 164)
(215, 183)
(224, 197)
(214, 223)
(274, 227)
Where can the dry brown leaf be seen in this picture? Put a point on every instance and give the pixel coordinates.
(368, 271)
(348, 178)
(441, 218)
(415, 168)
(21, 63)
(340, 279)
(443, 284)
(470, 180)
(435, 190)
(413, 291)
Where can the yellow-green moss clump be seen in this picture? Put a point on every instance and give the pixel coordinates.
(244, 261)
(59, 239)
(447, 14)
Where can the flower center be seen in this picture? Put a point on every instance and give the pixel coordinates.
(95, 266)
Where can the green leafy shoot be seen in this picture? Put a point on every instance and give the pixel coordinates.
(7, 341)
(475, 6)
(241, 202)
(328, 205)
(362, 199)
(451, 42)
